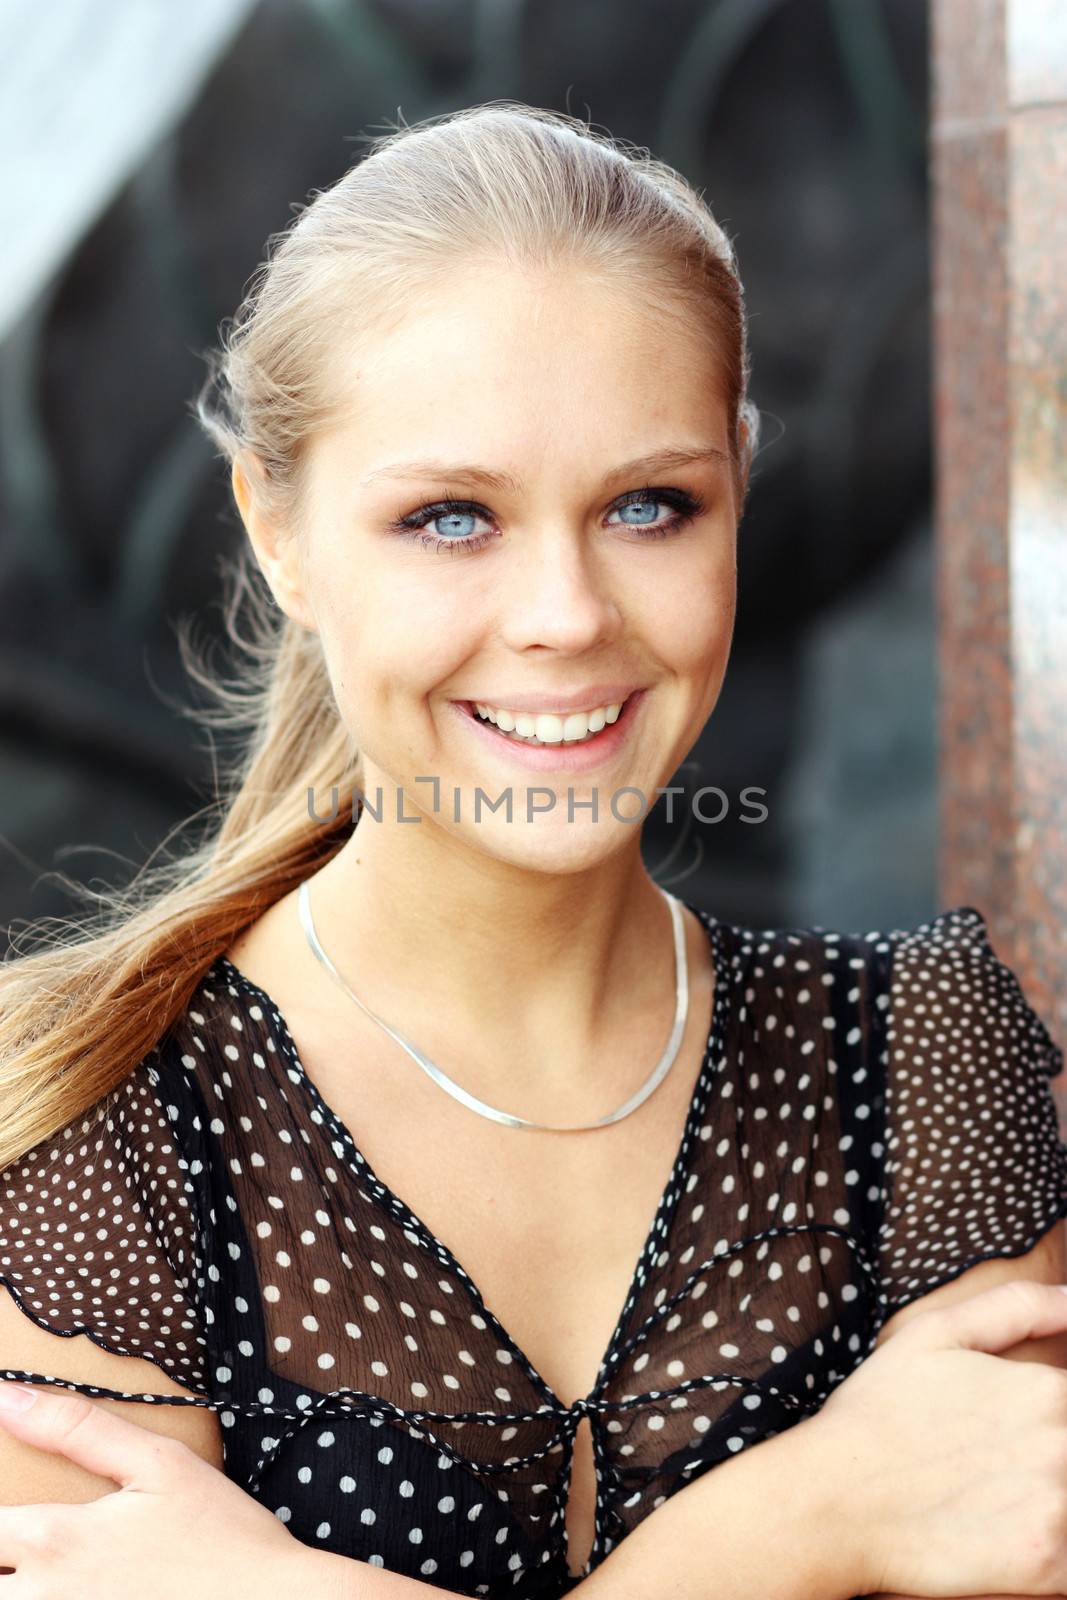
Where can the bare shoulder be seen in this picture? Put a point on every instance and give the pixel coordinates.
(29, 1476)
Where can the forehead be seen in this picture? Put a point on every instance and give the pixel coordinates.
(501, 363)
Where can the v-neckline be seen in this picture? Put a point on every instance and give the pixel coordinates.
(668, 1199)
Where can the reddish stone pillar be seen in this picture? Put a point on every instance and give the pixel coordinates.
(999, 194)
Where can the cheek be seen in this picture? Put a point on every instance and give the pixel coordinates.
(690, 614)
(396, 644)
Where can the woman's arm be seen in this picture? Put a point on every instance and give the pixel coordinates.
(772, 1522)
(29, 1476)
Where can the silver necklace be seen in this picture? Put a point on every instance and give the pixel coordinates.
(659, 1072)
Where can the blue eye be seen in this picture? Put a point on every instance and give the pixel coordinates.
(459, 514)
(454, 517)
(686, 506)
(446, 512)
(641, 505)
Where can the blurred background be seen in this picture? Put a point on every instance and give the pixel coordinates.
(149, 150)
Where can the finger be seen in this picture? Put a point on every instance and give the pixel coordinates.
(69, 1424)
(997, 1318)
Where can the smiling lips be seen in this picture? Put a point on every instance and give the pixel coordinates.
(546, 727)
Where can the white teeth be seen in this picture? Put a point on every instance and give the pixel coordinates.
(547, 728)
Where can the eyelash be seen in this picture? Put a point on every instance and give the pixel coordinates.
(686, 506)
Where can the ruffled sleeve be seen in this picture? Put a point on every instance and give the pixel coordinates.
(99, 1233)
(974, 1164)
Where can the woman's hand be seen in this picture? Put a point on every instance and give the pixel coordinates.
(175, 1527)
(952, 1462)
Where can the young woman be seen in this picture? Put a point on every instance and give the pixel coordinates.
(455, 1195)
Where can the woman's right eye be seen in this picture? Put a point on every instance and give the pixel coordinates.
(454, 523)
(454, 517)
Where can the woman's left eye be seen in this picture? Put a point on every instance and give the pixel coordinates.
(684, 508)
(455, 516)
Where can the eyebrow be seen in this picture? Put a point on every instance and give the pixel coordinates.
(676, 456)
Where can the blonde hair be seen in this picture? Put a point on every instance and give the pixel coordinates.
(505, 181)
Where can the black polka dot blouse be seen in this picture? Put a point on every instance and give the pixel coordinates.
(873, 1116)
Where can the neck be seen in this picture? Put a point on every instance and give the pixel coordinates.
(536, 971)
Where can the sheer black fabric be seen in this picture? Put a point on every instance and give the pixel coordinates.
(873, 1116)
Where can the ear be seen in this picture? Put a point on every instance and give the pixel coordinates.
(275, 547)
(746, 450)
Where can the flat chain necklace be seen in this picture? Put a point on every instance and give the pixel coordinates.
(659, 1071)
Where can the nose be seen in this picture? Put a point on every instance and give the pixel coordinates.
(560, 595)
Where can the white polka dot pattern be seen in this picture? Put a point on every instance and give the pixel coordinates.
(873, 1115)
(98, 1232)
(974, 1166)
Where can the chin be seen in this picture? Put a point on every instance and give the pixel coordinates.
(563, 851)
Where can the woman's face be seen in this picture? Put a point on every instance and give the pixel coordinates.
(584, 563)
